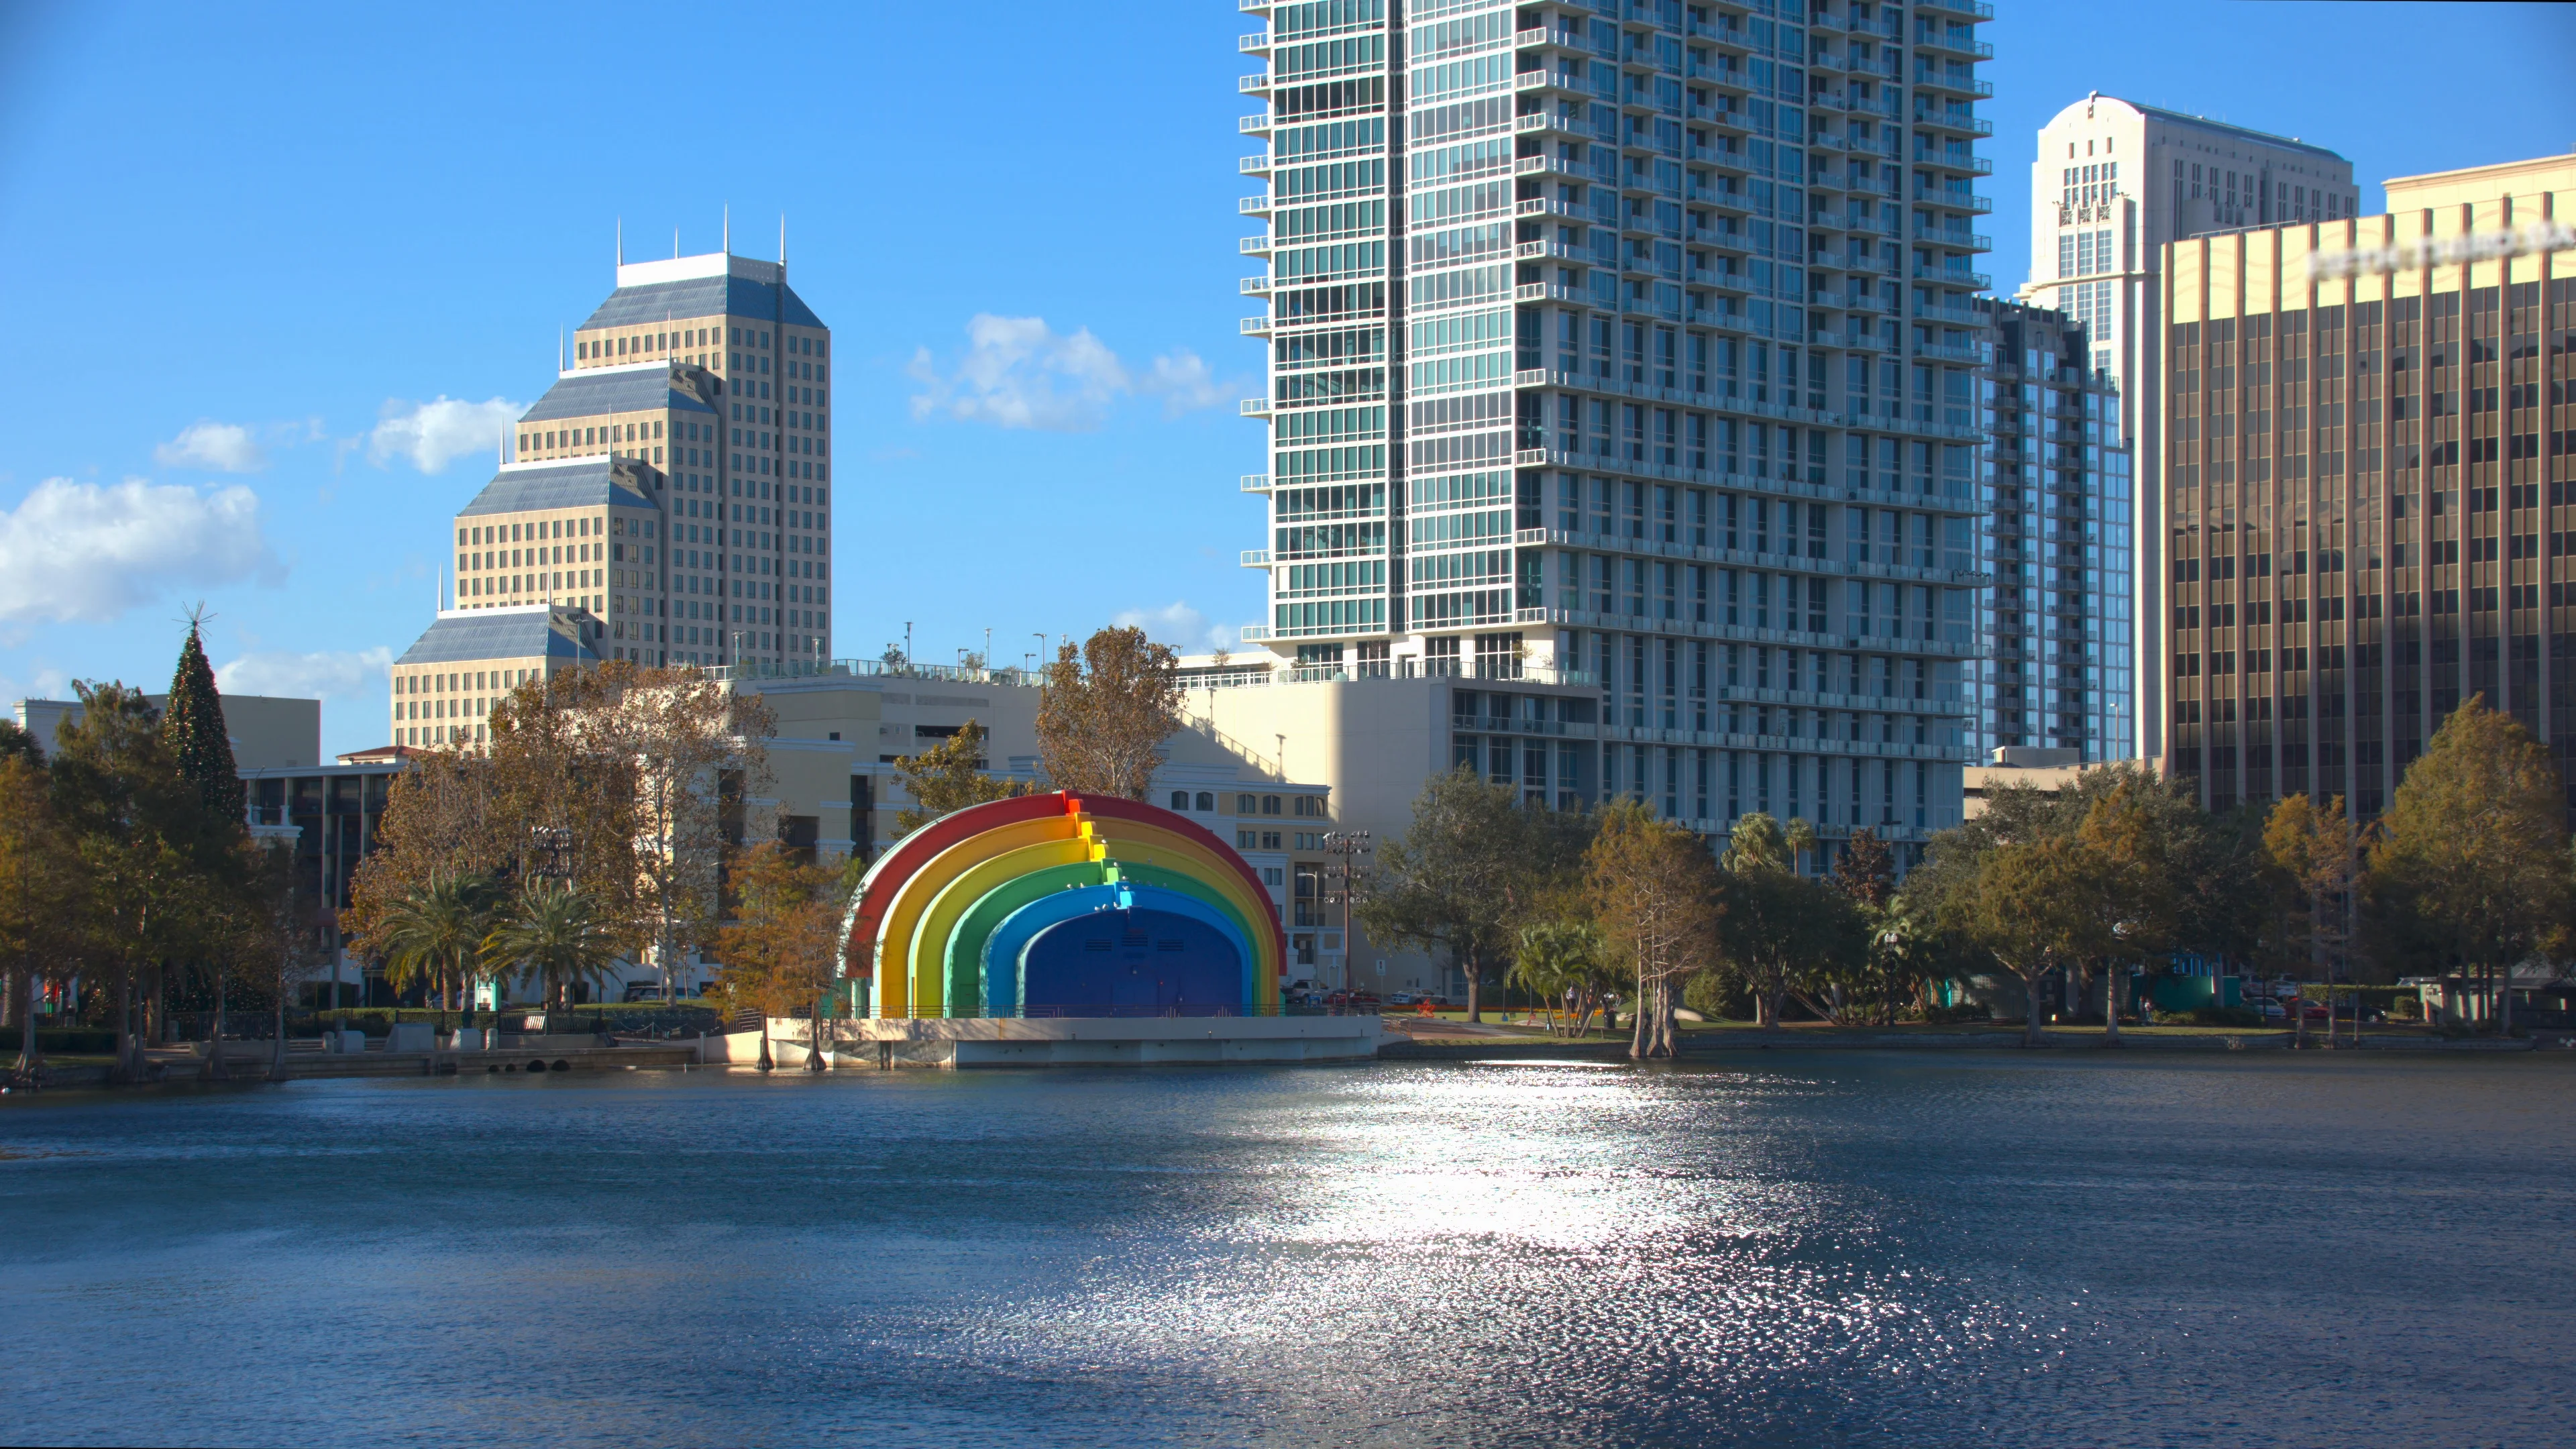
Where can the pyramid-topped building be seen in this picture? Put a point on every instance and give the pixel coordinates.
(669, 497)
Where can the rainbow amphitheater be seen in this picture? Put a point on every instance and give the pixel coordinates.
(1068, 929)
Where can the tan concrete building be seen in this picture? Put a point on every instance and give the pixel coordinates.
(836, 787)
(2368, 483)
(446, 684)
(675, 482)
(266, 732)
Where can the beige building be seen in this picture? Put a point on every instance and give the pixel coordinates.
(265, 731)
(446, 684)
(2366, 479)
(675, 482)
(2113, 183)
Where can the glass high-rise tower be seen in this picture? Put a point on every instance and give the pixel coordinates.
(1629, 345)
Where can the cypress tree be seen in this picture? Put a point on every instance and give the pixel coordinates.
(193, 724)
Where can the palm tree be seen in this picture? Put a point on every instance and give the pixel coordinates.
(436, 932)
(1564, 963)
(552, 932)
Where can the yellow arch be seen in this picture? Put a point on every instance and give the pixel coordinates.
(903, 916)
(927, 954)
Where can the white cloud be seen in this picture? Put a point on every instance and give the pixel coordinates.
(218, 447)
(1180, 626)
(80, 551)
(329, 675)
(1020, 373)
(430, 435)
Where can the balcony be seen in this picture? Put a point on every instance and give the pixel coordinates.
(1542, 81)
(1254, 85)
(1255, 327)
(1254, 165)
(1551, 126)
(1550, 166)
(1254, 558)
(1549, 206)
(1255, 483)
(1254, 287)
(1936, 39)
(1933, 80)
(1254, 206)
(1952, 277)
(1255, 125)
(1255, 407)
(1258, 43)
(1549, 36)
(1534, 250)
(1549, 292)
(1973, 9)
(1947, 120)
(1255, 246)
(1253, 7)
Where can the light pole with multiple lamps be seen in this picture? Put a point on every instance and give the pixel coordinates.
(1347, 873)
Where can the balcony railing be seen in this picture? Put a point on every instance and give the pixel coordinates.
(757, 669)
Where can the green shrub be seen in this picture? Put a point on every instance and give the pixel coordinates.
(1717, 997)
(71, 1040)
(2238, 1016)
(1954, 1015)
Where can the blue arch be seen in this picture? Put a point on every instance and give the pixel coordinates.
(1224, 960)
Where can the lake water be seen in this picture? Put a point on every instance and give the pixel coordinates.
(1801, 1249)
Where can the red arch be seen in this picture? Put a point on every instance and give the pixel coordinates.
(914, 851)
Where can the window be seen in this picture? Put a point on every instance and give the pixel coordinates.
(1247, 805)
(1207, 800)
(1180, 799)
(1244, 839)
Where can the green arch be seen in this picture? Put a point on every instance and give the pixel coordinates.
(962, 962)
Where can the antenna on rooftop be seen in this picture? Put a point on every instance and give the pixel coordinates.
(675, 243)
(621, 241)
(728, 229)
(782, 239)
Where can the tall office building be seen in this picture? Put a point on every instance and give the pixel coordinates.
(1629, 345)
(2370, 483)
(2058, 673)
(671, 492)
(2114, 181)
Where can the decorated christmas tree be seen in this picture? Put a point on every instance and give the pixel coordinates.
(194, 726)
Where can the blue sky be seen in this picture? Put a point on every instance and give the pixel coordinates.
(273, 272)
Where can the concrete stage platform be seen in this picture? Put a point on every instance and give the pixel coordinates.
(1083, 1041)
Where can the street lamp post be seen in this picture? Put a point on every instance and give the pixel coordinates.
(1347, 871)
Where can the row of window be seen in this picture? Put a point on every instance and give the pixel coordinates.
(643, 344)
(1205, 802)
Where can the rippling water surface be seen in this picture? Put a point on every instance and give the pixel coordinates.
(1803, 1250)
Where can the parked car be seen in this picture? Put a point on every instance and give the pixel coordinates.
(642, 991)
